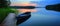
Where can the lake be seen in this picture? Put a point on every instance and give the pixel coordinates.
(43, 17)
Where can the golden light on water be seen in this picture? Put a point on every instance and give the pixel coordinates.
(27, 10)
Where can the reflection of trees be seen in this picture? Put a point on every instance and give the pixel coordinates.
(4, 3)
(55, 7)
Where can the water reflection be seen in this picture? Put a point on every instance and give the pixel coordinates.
(43, 17)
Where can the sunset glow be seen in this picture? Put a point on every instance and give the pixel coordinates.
(27, 10)
(24, 4)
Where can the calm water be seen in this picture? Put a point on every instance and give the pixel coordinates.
(43, 17)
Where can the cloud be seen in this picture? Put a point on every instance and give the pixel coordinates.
(25, 0)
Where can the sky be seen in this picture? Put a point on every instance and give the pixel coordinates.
(25, 0)
(38, 2)
(22, 1)
(16, 2)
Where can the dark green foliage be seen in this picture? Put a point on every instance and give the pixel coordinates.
(55, 7)
(4, 3)
(4, 12)
(5, 9)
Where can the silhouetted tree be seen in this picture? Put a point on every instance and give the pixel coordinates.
(4, 3)
(55, 7)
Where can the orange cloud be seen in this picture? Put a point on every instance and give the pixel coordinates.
(23, 4)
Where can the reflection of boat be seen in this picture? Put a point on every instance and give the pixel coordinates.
(23, 7)
(55, 7)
